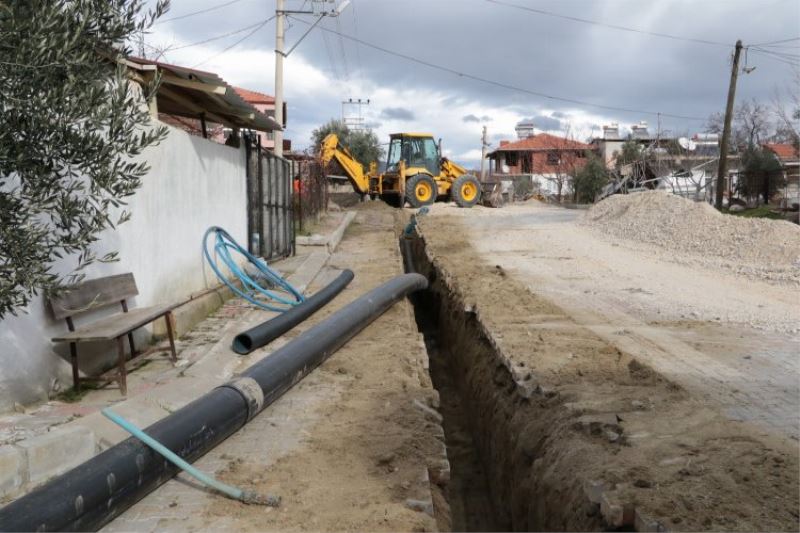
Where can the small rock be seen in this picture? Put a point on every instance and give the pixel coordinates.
(612, 436)
(638, 405)
(386, 458)
(642, 484)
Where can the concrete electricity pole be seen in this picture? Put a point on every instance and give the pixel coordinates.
(722, 169)
(280, 19)
(484, 145)
(279, 38)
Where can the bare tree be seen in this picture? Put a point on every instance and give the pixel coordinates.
(786, 109)
(753, 124)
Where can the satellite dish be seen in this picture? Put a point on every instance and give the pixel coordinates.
(687, 144)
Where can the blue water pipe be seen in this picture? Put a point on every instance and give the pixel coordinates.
(245, 496)
(224, 245)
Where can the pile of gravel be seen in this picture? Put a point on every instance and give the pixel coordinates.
(759, 248)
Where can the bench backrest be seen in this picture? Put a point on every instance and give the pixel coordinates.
(93, 294)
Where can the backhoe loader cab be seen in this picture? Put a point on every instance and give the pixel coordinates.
(415, 172)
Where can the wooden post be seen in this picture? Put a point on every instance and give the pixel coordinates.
(722, 169)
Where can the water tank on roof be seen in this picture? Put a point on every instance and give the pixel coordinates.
(525, 129)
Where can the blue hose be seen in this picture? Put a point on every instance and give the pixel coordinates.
(224, 244)
(232, 492)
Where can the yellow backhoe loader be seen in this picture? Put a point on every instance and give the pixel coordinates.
(415, 172)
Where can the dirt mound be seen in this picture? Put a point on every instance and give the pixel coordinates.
(760, 248)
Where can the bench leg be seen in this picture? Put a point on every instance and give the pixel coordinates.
(73, 355)
(122, 378)
(130, 342)
(171, 335)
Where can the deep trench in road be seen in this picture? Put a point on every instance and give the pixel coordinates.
(500, 430)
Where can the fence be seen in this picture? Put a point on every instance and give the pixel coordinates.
(269, 202)
(311, 192)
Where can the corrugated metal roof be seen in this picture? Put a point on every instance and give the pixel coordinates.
(188, 92)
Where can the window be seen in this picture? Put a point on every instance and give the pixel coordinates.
(511, 159)
(415, 152)
(553, 158)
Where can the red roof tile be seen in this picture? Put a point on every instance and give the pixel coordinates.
(542, 142)
(254, 97)
(783, 151)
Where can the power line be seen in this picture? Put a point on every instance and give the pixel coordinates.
(187, 15)
(501, 84)
(237, 43)
(218, 37)
(778, 42)
(606, 25)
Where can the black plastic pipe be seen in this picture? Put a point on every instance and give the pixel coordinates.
(270, 330)
(95, 492)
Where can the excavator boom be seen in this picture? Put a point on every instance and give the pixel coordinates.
(332, 150)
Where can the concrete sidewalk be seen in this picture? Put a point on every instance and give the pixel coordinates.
(47, 440)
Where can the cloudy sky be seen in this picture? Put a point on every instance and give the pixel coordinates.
(599, 74)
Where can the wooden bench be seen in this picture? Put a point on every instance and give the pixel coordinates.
(98, 293)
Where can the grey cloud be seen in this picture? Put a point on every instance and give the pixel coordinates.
(397, 113)
(588, 63)
(546, 123)
(475, 118)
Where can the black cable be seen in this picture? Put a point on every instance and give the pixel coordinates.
(612, 26)
(187, 15)
(237, 43)
(218, 37)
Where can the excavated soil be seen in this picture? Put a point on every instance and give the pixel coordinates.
(757, 248)
(574, 434)
(364, 464)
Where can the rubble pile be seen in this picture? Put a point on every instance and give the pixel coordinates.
(759, 248)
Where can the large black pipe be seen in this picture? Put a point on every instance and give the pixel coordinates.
(270, 330)
(95, 492)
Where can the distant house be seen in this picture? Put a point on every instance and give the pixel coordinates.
(789, 157)
(609, 146)
(547, 159)
(266, 104)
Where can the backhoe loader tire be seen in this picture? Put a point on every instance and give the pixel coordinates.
(466, 190)
(421, 190)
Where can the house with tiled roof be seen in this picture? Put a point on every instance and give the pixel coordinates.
(789, 157)
(266, 104)
(547, 159)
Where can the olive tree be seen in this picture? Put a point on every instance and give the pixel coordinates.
(70, 130)
(364, 145)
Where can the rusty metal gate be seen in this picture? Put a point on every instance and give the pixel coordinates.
(269, 202)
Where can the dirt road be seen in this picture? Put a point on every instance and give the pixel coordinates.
(347, 449)
(599, 373)
(730, 340)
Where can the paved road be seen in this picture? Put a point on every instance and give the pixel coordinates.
(726, 339)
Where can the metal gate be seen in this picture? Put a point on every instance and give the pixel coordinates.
(269, 202)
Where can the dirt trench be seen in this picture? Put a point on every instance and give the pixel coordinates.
(548, 427)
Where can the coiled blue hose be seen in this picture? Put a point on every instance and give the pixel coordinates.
(251, 288)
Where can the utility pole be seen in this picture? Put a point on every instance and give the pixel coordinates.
(722, 170)
(484, 145)
(280, 18)
(279, 38)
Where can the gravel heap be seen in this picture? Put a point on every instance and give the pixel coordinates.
(759, 248)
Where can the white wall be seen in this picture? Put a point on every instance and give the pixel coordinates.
(193, 184)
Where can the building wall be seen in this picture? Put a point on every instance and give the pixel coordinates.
(193, 184)
(529, 162)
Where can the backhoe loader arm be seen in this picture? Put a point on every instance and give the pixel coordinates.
(332, 150)
(452, 170)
